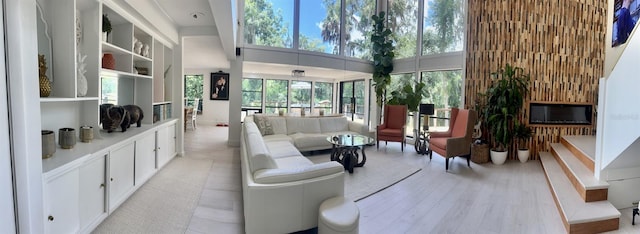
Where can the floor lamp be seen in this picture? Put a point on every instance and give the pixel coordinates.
(422, 139)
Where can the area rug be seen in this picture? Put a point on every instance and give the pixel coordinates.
(379, 172)
(165, 203)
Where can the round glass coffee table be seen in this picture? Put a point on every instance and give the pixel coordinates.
(345, 150)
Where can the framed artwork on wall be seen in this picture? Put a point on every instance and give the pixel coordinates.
(624, 20)
(219, 86)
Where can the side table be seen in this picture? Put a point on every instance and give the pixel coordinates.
(422, 142)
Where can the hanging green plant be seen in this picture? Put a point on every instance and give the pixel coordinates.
(382, 53)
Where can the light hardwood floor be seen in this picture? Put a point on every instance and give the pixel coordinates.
(511, 198)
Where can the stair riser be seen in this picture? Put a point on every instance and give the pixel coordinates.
(588, 162)
(595, 227)
(587, 195)
(587, 227)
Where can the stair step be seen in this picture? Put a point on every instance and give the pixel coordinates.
(583, 147)
(578, 216)
(583, 180)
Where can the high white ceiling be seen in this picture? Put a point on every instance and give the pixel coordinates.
(204, 50)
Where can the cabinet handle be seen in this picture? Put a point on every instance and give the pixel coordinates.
(102, 185)
(111, 179)
(50, 218)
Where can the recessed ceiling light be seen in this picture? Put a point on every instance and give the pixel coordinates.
(196, 15)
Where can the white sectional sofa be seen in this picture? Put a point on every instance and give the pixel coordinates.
(306, 133)
(282, 190)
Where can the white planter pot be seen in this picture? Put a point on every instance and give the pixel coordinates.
(523, 155)
(498, 158)
(105, 36)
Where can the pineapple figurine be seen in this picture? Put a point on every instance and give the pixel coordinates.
(45, 84)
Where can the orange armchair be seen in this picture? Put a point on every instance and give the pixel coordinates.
(456, 141)
(393, 125)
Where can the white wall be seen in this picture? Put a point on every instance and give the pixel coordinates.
(619, 120)
(213, 111)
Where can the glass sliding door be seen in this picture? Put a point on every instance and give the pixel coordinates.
(352, 100)
(300, 96)
(323, 97)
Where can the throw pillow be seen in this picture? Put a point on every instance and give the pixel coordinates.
(264, 125)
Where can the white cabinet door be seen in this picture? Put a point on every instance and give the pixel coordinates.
(145, 158)
(61, 203)
(172, 140)
(162, 146)
(93, 191)
(120, 175)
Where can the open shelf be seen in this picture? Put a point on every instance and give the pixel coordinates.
(63, 99)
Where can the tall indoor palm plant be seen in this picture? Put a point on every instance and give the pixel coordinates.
(504, 102)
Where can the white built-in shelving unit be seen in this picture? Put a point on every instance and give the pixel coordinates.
(83, 185)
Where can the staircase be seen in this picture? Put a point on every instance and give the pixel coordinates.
(580, 198)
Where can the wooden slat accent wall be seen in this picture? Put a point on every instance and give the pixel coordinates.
(560, 43)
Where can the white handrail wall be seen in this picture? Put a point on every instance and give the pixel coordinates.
(621, 115)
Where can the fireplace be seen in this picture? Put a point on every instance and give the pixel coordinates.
(560, 114)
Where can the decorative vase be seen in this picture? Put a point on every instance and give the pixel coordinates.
(523, 155)
(137, 46)
(45, 84)
(281, 112)
(86, 134)
(302, 111)
(321, 112)
(105, 36)
(145, 50)
(498, 157)
(67, 138)
(108, 61)
(48, 143)
(81, 79)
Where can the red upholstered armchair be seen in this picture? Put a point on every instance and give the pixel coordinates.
(456, 141)
(392, 128)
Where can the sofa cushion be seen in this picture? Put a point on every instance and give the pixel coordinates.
(390, 132)
(304, 140)
(302, 125)
(258, 153)
(281, 175)
(277, 137)
(263, 124)
(439, 142)
(251, 127)
(282, 149)
(333, 124)
(293, 162)
(279, 124)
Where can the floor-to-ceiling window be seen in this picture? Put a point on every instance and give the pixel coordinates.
(352, 100)
(358, 28)
(269, 22)
(251, 96)
(398, 82)
(323, 97)
(444, 90)
(403, 21)
(443, 29)
(320, 26)
(276, 96)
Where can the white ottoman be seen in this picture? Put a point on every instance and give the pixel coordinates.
(338, 215)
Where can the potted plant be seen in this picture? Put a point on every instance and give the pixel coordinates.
(409, 96)
(504, 102)
(522, 133)
(106, 27)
